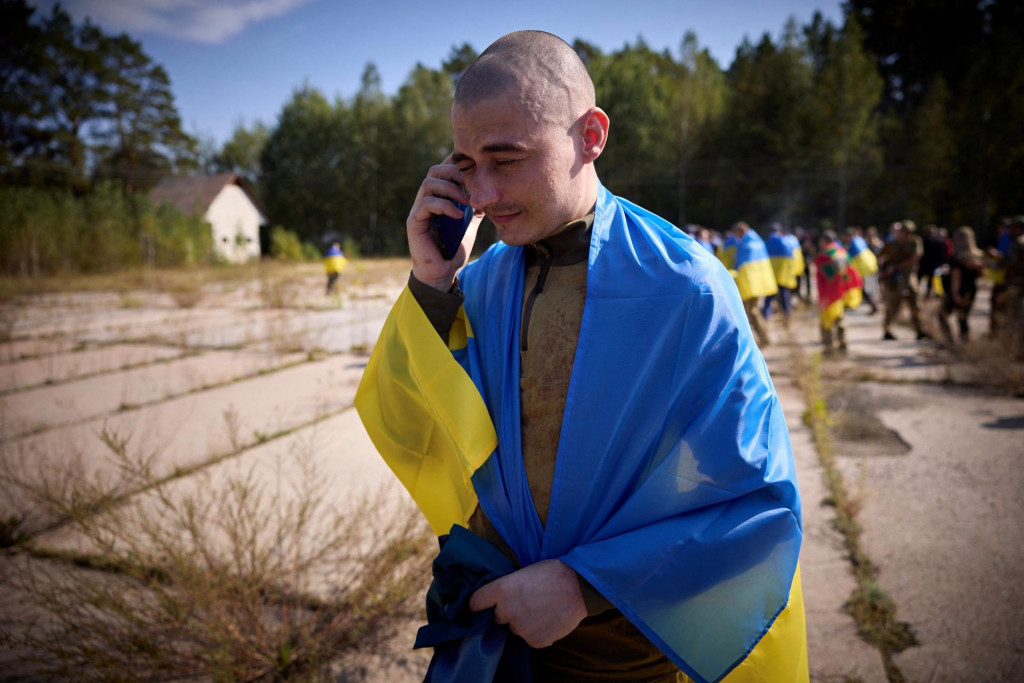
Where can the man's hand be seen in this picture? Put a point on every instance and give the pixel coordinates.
(443, 182)
(540, 603)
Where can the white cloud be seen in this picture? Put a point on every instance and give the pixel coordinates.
(201, 21)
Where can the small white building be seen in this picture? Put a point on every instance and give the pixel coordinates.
(227, 202)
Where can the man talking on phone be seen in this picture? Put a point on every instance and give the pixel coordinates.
(586, 397)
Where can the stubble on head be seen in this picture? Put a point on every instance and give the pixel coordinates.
(534, 87)
(544, 75)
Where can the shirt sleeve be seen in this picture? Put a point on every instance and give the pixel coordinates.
(441, 308)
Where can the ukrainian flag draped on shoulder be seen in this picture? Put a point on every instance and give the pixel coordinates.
(786, 258)
(800, 264)
(752, 269)
(861, 256)
(674, 492)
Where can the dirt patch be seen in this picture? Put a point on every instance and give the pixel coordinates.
(857, 429)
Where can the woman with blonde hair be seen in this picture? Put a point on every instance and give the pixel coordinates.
(959, 282)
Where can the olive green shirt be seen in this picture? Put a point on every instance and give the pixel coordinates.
(605, 646)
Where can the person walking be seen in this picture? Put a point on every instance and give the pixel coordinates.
(788, 264)
(864, 260)
(959, 283)
(839, 287)
(752, 270)
(898, 277)
(334, 263)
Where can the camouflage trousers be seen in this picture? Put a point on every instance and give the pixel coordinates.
(895, 291)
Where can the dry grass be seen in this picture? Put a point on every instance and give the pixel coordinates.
(870, 604)
(989, 363)
(231, 579)
(185, 291)
(360, 272)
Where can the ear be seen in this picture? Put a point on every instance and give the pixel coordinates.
(594, 134)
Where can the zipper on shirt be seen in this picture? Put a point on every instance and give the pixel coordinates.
(538, 287)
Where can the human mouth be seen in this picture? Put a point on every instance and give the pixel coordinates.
(504, 218)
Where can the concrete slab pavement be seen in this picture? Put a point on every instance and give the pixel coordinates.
(941, 515)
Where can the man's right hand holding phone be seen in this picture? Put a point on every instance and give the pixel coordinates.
(441, 187)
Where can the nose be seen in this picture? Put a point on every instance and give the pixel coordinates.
(483, 190)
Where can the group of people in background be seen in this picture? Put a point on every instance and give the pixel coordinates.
(902, 267)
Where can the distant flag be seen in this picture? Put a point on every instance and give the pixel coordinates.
(786, 257)
(861, 257)
(752, 268)
(839, 284)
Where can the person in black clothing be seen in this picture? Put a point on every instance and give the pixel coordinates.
(932, 259)
(959, 282)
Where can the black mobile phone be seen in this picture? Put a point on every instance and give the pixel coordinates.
(448, 232)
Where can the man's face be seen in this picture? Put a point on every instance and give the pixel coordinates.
(523, 173)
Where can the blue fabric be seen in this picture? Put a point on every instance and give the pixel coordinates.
(785, 302)
(750, 248)
(674, 491)
(778, 244)
(1004, 243)
(334, 251)
(857, 245)
(469, 647)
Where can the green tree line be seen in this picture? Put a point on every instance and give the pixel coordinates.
(907, 109)
(88, 126)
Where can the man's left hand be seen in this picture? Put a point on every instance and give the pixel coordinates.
(540, 603)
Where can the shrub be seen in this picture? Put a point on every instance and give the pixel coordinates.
(227, 579)
(285, 245)
(46, 232)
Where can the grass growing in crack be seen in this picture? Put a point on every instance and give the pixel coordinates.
(870, 604)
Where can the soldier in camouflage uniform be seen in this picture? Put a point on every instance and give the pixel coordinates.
(898, 276)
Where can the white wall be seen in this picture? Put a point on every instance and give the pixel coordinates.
(236, 225)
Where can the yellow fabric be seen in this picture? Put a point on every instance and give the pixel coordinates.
(727, 255)
(937, 285)
(785, 271)
(865, 262)
(781, 654)
(425, 415)
(996, 275)
(834, 312)
(755, 279)
(335, 264)
(853, 297)
(799, 265)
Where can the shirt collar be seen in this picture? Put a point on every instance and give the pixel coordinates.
(568, 245)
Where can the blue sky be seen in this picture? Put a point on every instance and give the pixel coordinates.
(236, 61)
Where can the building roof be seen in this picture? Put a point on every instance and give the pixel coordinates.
(196, 193)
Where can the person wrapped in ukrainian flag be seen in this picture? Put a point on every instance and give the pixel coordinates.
(582, 413)
(751, 268)
(334, 263)
(839, 287)
(866, 263)
(787, 259)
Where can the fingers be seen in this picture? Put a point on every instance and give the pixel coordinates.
(444, 180)
(484, 597)
(441, 186)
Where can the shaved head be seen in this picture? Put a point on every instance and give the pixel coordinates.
(542, 72)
